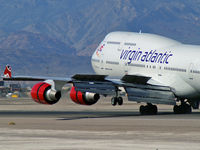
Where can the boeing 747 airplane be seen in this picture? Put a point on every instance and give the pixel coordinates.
(150, 68)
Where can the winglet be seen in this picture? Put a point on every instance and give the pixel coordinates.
(7, 72)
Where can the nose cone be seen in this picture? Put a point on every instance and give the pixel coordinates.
(95, 61)
(97, 54)
(93, 55)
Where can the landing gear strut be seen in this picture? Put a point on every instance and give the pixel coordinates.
(184, 108)
(116, 100)
(149, 109)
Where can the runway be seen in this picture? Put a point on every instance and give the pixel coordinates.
(70, 126)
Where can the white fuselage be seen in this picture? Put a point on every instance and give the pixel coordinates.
(166, 61)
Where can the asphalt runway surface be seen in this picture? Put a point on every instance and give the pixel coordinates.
(25, 125)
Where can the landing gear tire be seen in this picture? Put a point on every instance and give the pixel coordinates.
(189, 110)
(177, 109)
(182, 109)
(120, 101)
(117, 100)
(149, 109)
(142, 110)
(154, 109)
(114, 101)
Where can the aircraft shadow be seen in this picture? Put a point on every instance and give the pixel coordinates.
(76, 115)
(90, 115)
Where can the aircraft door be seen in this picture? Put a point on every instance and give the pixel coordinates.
(129, 48)
(102, 59)
(191, 68)
(100, 55)
(123, 62)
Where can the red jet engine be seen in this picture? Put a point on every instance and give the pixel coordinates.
(43, 94)
(85, 98)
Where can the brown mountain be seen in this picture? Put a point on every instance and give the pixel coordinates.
(37, 33)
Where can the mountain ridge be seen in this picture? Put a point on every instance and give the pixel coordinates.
(74, 28)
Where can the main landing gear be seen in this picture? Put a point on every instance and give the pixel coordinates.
(149, 109)
(116, 100)
(184, 108)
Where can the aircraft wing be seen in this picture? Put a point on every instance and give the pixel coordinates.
(136, 86)
(36, 78)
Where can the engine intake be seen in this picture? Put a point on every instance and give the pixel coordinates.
(86, 98)
(43, 94)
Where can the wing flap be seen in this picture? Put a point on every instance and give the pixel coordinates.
(135, 79)
(93, 83)
(153, 87)
(152, 100)
(104, 88)
(150, 95)
(89, 77)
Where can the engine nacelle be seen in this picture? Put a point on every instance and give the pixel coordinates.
(43, 94)
(86, 98)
